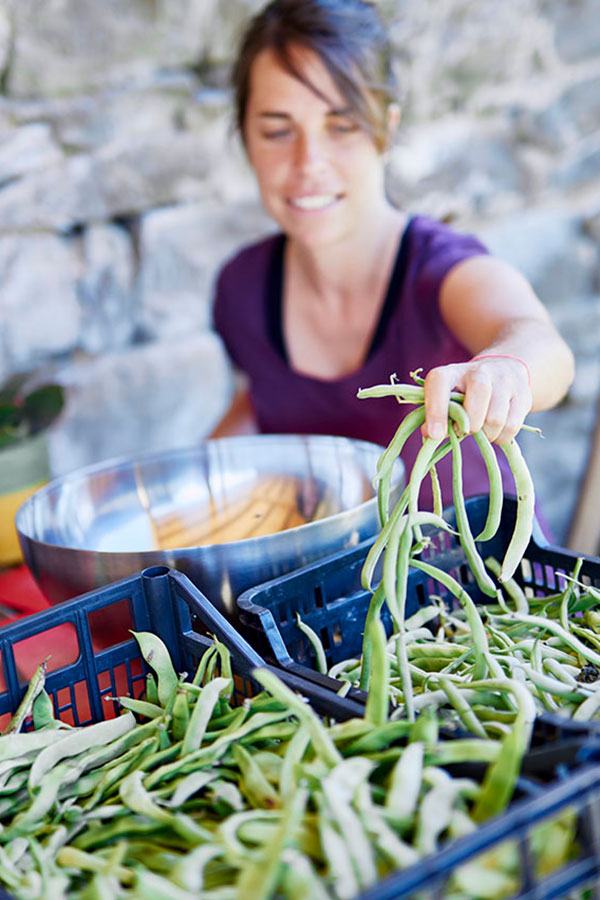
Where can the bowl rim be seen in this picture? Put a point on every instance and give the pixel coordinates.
(120, 462)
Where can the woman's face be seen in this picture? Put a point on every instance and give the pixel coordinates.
(319, 172)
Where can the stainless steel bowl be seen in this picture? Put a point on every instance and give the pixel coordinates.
(104, 522)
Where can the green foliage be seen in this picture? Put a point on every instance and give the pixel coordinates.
(25, 411)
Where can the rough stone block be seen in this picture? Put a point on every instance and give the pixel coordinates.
(143, 399)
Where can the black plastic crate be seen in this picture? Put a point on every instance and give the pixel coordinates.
(330, 599)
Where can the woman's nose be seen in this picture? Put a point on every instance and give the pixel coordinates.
(310, 152)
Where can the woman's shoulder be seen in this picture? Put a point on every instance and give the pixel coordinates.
(431, 235)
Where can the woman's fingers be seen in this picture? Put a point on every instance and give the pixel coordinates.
(496, 392)
(439, 383)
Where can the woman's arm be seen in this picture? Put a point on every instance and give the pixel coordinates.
(524, 363)
(239, 418)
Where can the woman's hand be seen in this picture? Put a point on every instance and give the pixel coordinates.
(497, 396)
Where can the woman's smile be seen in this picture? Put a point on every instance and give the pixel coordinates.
(314, 202)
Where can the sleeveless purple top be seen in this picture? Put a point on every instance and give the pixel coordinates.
(410, 334)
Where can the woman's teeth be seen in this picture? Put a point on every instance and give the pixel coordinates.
(315, 201)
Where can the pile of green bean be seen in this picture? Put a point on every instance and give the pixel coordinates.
(458, 660)
(184, 796)
(550, 645)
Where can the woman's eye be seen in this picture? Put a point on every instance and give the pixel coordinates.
(275, 135)
(343, 127)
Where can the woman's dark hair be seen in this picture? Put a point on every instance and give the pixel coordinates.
(349, 38)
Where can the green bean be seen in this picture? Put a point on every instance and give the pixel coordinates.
(259, 878)
(479, 637)
(408, 393)
(299, 880)
(420, 467)
(139, 707)
(558, 670)
(110, 777)
(74, 858)
(570, 591)
(294, 752)
(410, 423)
(188, 872)
(338, 788)
(181, 715)
(135, 796)
(322, 743)
(513, 589)
(205, 659)
(225, 667)
(223, 793)
(589, 708)
(434, 813)
(525, 510)
(151, 688)
(315, 642)
(22, 744)
(377, 738)
(211, 753)
(126, 826)
(24, 708)
(347, 668)
(43, 800)
(342, 875)
(459, 750)
(587, 635)
(467, 542)
(381, 541)
(43, 713)
(277, 731)
(554, 628)
(496, 490)
(405, 782)
(201, 714)
(157, 656)
(254, 785)
(150, 886)
(466, 715)
(76, 742)
(376, 709)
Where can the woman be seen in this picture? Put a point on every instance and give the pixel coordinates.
(353, 289)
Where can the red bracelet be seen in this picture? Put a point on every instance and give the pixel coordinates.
(506, 356)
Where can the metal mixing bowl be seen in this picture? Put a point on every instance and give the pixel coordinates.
(102, 523)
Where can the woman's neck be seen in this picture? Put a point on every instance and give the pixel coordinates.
(347, 267)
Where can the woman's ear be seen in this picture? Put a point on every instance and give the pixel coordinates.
(393, 121)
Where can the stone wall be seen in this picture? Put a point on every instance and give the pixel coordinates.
(123, 188)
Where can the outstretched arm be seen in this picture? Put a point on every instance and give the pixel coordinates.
(520, 362)
(239, 418)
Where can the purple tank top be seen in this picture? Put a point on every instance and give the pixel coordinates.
(410, 335)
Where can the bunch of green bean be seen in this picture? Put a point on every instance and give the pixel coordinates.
(185, 796)
(449, 658)
(401, 540)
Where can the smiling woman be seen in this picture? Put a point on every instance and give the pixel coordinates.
(354, 289)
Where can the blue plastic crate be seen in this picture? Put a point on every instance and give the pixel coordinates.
(578, 792)
(80, 679)
(330, 599)
(166, 602)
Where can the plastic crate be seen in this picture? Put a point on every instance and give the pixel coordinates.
(81, 675)
(330, 599)
(166, 602)
(578, 792)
